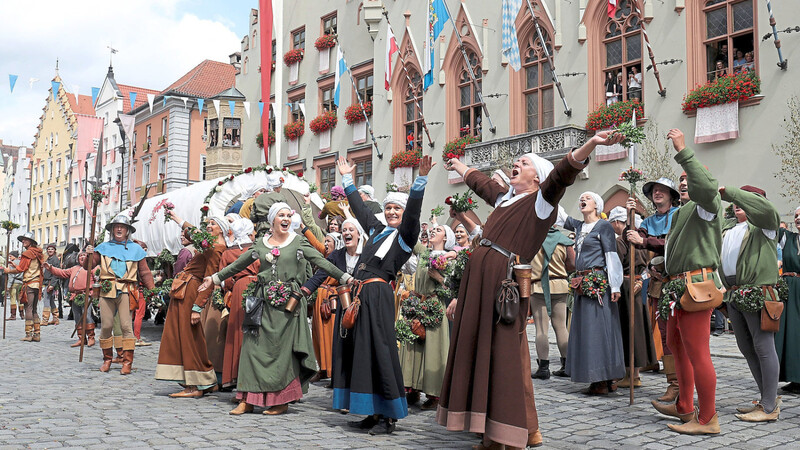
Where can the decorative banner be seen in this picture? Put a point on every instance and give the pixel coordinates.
(76, 89)
(95, 93)
(231, 106)
(56, 85)
(199, 103)
(260, 109)
(246, 108)
(12, 80)
(150, 98)
(184, 103)
(164, 100)
(133, 99)
(216, 107)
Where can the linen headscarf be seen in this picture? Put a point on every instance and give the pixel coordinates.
(242, 229)
(274, 209)
(500, 173)
(618, 214)
(598, 201)
(338, 242)
(225, 226)
(362, 237)
(337, 193)
(449, 237)
(274, 180)
(251, 191)
(368, 190)
(397, 198)
(543, 168)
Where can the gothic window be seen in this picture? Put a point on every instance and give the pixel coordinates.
(622, 73)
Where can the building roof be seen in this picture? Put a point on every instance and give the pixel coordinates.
(141, 96)
(230, 94)
(83, 104)
(204, 81)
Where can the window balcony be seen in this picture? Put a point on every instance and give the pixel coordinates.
(550, 143)
(162, 140)
(145, 146)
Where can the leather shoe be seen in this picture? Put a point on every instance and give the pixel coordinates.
(187, 394)
(430, 403)
(600, 388)
(671, 410)
(243, 408)
(759, 415)
(366, 424)
(384, 426)
(748, 409)
(277, 410)
(695, 427)
(535, 439)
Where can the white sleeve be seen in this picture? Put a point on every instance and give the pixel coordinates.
(770, 234)
(477, 231)
(705, 215)
(543, 209)
(614, 266)
(782, 242)
(561, 216)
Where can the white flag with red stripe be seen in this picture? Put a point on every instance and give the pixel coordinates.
(612, 8)
(391, 49)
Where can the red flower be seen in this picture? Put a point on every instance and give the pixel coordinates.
(231, 178)
(448, 201)
(204, 209)
(470, 201)
(220, 183)
(248, 170)
(299, 174)
(269, 170)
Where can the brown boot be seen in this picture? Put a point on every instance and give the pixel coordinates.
(37, 335)
(90, 334)
(13, 312)
(671, 395)
(28, 331)
(127, 356)
(695, 427)
(672, 410)
(107, 346)
(535, 439)
(45, 316)
(79, 330)
(118, 346)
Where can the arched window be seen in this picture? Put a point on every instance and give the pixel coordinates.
(245, 63)
(622, 71)
(412, 116)
(255, 38)
(469, 104)
(538, 85)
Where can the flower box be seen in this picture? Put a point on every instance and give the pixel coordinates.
(355, 113)
(726, 89)
(609, 116)
(293, 57)
(325, 42)
(456, 148)
(270, 139)
(407, 158)
(324, 122)
(293, 131)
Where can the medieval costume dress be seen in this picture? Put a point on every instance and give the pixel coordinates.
(368, 379)
(183, 356)
(595, 353)
(277, 356)
(787, 340)
(487, 385)
(322, 328)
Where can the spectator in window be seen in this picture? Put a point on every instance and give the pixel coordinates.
(226, 140)
(619, 86)
(720, 70)
(723, 54)
(611, 89)
(634, 84)
(739, 62)
(749, 64)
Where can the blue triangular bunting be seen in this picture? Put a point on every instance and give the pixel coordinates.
(260, 109)
(200, 104)
(12, 80)
(95, 93)
(133, 99)
(56, 85)
(231, 106)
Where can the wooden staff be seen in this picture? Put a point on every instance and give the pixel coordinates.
(5, 296)
(632, 300)
(87, 298)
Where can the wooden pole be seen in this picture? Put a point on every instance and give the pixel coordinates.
(87, 298)
(5, 295)
(632, 299)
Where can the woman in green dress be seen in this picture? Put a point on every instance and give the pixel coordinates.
(787, 340)
(277, 358)
(423, 361)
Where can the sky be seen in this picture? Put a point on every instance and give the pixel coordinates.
(157, 41)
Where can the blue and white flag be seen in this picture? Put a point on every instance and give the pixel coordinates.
(341, 68)
(438, 14)
(510, 44)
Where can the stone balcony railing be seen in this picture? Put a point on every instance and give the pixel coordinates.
(550, 143)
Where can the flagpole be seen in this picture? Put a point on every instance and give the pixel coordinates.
(471, 72)
(783, 62)
(410, 83)
(360, 102)
(661, 91)
(550, 60)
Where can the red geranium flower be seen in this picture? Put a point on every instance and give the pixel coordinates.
(448, 201)
(299, 174)
(248, 170)
(220, 183)
(269, 170)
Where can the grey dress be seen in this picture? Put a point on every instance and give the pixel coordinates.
(595, 351)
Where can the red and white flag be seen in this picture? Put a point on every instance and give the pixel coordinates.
(391, 49)
(612, 8)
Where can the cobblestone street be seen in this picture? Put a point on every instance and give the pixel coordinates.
(49, 400)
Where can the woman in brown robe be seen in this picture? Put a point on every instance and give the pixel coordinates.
(183, 356)
(481, 348)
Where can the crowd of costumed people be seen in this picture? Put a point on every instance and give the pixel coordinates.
(396, 310)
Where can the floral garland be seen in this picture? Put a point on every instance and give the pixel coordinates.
(670, 300)
(403, 333)
(325, 41)
(80, 300)
(278, 293)
(323, 122)
(163, 260)
(218, 300)
(461, 202)
(202, 239)
(293, 56)
(750, 297)
(406, 158)
(595, 284)
(105, 286)
(250, 291)
(293, 131)
(98, 195)
(725, 89)
(632, 176)
(167, 205)
(782, 290)
(355, 113)
(429, 311)
(457, 147)
(9, 225)
(608, 116)
(155, 297)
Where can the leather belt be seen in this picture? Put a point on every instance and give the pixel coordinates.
(705, 271)
(581, 273)
(487, 243)
(790, 274)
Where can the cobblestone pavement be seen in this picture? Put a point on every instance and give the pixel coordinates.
(50, 400)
